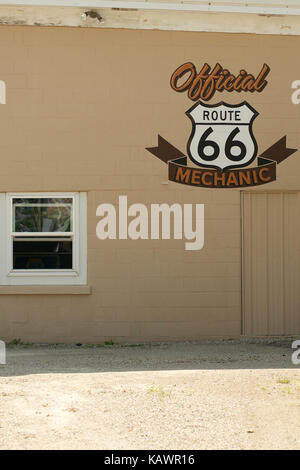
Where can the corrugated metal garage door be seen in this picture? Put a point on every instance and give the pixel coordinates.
(271, 263)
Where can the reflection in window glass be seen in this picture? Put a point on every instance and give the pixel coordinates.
(42, 215)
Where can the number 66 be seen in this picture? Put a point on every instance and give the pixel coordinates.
(229, 145)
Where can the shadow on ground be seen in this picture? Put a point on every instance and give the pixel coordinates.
(71, 359)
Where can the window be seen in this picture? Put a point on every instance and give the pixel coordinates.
(46, 238)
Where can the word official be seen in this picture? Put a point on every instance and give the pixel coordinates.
(203, 85)
(185, 222)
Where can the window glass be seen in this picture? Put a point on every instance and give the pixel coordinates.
(42, 253)
(42, 215)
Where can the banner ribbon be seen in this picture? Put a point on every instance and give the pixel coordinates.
(179, 172)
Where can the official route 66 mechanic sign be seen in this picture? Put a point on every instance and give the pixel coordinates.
(222, 142)
(222, 135)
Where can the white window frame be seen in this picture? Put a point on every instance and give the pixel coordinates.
(75, 276)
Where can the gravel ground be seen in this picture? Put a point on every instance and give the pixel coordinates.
(195, 395)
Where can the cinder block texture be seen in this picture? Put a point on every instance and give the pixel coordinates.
(82, 105)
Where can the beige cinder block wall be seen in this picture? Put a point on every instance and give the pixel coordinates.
(82, 105)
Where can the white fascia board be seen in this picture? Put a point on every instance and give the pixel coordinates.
(171, 6)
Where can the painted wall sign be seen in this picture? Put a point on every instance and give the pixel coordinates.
(222, 141)
(203, 85)
(222, 135)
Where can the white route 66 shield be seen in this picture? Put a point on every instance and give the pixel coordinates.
(222, 135)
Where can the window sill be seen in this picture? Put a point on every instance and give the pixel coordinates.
(45, 290)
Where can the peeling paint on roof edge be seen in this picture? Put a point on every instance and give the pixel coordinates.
(148, 19)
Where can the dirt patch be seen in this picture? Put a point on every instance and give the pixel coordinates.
(208, 395)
